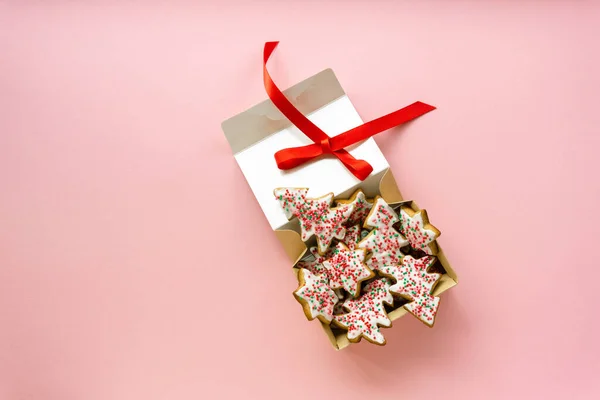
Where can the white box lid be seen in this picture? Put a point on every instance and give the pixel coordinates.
(326, 174)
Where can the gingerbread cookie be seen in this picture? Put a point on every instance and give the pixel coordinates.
(352, 237)
(415, 284)
(315, 215)
(384, 242)
(361, 207)
(316, 264)
(367, 313)
(415, 226)
(315, 295)
(346, 269)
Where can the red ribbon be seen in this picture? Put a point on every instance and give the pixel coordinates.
(323, 144)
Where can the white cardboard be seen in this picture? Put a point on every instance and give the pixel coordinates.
(324, 175)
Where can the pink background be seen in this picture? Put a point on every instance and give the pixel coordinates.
(135, 263)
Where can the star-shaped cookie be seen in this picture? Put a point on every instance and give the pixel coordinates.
(362, 206)
(415, 226)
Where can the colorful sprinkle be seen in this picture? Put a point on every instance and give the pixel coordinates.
(317, 298)
(417, 229)
(315, 215)
(367, 313)
(346, 269)
(414, 283)
(384, 242)
(361, 207)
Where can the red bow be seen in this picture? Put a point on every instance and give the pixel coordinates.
(323, 144)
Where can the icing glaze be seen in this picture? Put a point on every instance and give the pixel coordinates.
(289, 198)
(315, 215)
(315, 295)
(361, 207)
(346, 269)
(316, 265)
(352, 237)
(367, 313)
(417, 229)
(383, 242)
(381, 215)
(414, 283)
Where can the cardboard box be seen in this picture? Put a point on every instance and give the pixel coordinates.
(258, 133)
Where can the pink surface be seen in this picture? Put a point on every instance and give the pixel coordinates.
(135, 263)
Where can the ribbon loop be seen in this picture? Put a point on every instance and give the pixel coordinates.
(323, 144)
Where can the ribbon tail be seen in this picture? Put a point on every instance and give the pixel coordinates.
(284, 105)
(380, 124)
(290, 158)
(359, 168)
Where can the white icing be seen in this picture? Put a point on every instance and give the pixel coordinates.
(414, 229)
(382, 215)
(361, 207)
(367, 312)
(413, 282)
(318, 296)
(327, 231)
(384, 242)
(288, 206)
(314, 215)
(346, 269)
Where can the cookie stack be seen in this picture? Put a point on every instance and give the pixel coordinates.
(369, 259)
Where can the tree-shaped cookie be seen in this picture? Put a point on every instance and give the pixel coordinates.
(315, 295)
(346, 269)
(316, 217)
(361, 207)
(367, 313)
(384, 242)
(316, 265)
(414, 283)
(415, 226)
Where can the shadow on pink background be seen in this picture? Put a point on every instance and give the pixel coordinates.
(136, 264)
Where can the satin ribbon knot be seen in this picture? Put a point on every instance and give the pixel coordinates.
(326, 146)
(323, 144)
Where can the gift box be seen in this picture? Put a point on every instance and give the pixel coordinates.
(257, 134)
